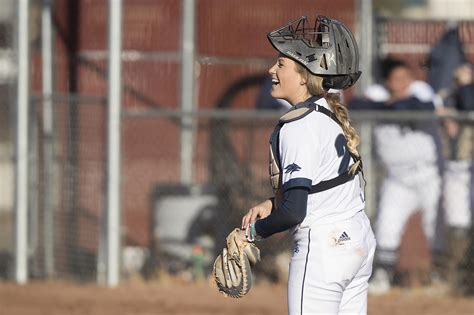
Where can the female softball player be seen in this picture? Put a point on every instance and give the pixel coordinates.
(315, 170)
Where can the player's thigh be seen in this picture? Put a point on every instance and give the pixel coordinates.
(397, 203)
(310, 290)
(354, 297)
(395, 195)
(429, 193)
(456, 194)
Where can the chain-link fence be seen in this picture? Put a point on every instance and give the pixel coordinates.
(7, 134)
(7, 187)
(422, 178)
(177, 227)
(230, 167)
(188, 223)
(66, 183)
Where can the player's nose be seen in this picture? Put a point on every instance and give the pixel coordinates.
(271, 71)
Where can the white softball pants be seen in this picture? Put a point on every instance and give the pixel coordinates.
(399, 200)
(457, 186)
(328, 273)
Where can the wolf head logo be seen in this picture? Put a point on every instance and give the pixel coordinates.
(292, 168)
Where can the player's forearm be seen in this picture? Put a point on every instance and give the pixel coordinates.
(291, 212)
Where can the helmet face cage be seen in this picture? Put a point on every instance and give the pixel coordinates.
(327, 49)
(299, 30)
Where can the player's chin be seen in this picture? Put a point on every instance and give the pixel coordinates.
(276, 93)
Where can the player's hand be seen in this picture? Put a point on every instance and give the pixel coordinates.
(260, 211)
(464, 75)
(452, 128)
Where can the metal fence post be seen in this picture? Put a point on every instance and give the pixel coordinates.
(187, 89)
(48, 161)
(366, 44)
(113, 142)
(21, 168)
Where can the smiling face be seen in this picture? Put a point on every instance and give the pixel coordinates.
(288, 83)
(398, 82)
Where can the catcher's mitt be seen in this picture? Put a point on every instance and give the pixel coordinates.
(232, 268)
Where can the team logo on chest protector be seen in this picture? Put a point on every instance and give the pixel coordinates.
(292, 168)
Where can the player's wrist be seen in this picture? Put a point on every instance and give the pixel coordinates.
(251, 234)
(271, 203)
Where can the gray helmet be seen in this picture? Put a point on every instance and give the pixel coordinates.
(328, 49)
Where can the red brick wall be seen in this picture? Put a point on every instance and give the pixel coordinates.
(230, 29)
(233, 29)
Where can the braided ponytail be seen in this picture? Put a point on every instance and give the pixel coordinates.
(315, 87)
(342, 114)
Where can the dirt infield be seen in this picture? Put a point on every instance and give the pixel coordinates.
(138, 298)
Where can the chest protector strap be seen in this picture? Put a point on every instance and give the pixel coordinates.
(275, 164)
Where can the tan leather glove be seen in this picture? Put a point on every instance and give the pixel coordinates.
(232, 269)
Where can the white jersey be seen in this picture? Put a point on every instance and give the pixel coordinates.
(313, 149)
(402, 149)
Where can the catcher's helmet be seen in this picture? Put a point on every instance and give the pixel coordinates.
(328, 49)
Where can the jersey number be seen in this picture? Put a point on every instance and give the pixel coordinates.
(341, 149)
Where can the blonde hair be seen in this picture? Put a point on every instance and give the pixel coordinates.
(314, 84)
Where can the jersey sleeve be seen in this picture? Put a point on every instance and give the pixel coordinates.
(298, 155)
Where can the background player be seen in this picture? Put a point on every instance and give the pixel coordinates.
(410, 154)
(316, 151)
(458, 189)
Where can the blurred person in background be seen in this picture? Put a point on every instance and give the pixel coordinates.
(410, 154)
(458, 188)
(315, 172)
(451, 76)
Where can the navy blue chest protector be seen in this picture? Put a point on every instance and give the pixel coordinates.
(300, 111)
